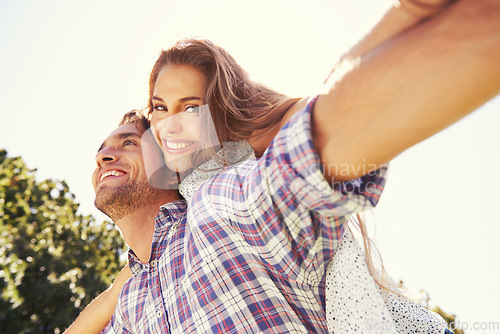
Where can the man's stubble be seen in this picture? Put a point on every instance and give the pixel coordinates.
(125, 199)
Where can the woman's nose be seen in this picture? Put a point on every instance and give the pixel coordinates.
(171, 124)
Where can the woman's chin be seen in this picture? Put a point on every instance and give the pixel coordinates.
(181, 166)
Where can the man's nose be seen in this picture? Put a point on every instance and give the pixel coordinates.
(106, 155)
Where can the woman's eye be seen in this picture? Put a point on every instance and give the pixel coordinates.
(160, 108)
(192, 109)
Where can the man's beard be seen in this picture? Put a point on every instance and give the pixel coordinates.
(126, 199)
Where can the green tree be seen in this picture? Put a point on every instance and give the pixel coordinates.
(53, 261)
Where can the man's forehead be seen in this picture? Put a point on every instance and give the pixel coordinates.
(123, 131)
(125, 128)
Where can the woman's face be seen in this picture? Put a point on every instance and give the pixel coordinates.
(176, 119)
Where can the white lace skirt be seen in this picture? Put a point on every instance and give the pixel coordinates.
(356, 304)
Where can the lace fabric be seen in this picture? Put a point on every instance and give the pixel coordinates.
(230, 153)
(356, 304)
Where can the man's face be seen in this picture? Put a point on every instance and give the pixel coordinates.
(120, 181)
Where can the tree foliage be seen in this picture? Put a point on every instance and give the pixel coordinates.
(53, 260)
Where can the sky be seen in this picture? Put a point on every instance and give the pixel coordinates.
(70, 70)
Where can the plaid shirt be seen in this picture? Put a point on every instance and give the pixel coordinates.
(250, 252)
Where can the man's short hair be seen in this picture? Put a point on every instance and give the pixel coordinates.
(137, 117)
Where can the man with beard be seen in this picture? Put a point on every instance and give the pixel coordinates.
(124, 194)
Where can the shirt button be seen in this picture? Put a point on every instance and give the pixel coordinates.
(153, 263)
(158, 314)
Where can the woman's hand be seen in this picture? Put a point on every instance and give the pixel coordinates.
(402, 16)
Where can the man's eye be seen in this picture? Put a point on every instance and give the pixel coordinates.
(128, 142)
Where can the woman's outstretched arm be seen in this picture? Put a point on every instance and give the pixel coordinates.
(400, 17)
(408, 88)
(97, 314)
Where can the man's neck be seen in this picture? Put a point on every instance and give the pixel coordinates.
(138, 229)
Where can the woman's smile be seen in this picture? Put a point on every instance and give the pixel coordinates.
(178, 146)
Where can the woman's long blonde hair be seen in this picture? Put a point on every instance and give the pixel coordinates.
(239, 105)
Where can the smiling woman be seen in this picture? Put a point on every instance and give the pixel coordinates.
(242, 109)
(181, 126)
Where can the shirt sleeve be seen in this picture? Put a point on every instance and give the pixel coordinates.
(116, 324)
(291, 165)
(114, 328)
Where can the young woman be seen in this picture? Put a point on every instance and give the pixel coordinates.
(251, 114)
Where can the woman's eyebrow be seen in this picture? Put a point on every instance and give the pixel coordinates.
(157, 98)
(189, 98)
(184, 99)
